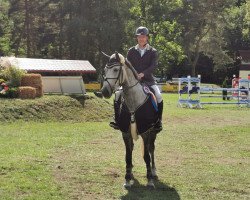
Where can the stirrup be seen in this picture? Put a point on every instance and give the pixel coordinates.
(114, 125)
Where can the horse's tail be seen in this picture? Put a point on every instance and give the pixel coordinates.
(135, 136)
(133, 130)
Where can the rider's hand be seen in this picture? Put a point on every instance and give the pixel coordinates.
(140, 76)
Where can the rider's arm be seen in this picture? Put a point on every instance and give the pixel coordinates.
(153, 64)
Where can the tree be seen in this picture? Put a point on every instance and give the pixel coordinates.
(5, 28)
(94, 26)
(203, 23)
(246, 22)
(236, 35)
(164, 30)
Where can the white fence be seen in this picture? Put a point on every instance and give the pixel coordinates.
(63, 84)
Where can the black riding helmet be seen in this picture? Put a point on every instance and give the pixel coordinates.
(141, 31)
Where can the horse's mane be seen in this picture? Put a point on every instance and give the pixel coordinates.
(132, 68)
(117, 57)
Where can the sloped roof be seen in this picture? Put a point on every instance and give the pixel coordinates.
(52, 65)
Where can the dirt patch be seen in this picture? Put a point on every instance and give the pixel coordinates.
(231, 161)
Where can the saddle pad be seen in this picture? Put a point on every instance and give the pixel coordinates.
(145, 117)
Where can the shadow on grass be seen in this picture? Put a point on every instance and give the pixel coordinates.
(80, 98)
(161, 191)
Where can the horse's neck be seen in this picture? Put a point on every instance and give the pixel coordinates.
(133, 96)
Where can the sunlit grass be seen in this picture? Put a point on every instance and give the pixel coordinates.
(200, 154)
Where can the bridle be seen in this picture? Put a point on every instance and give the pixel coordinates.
(118, 78)
(110, 66)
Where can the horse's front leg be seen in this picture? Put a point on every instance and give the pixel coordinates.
(147, 160)
(129, 144)
(152, 138)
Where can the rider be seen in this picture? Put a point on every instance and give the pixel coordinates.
(144, 59)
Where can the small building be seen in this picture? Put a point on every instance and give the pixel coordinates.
(59, 76)
(244, 56)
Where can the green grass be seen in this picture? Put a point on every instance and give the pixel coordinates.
(54, 108)
(200, 154)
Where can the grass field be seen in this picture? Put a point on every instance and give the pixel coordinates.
(200, 154)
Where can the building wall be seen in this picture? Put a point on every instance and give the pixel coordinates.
(244, 74)
(63, 84)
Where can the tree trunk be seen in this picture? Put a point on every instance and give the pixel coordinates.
(60, 53)
(27, 25)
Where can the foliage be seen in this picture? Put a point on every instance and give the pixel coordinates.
(186, 33)
(5, 28)
(65, 29)
(12, 92)
(164, 31)
(203, 23)
(12, 75)
(246, 21)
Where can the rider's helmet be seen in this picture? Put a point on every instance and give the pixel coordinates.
(142, 30)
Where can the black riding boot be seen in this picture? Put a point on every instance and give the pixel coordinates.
(158, 125)
(116, 109)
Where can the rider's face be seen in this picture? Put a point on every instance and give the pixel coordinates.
(142, 40)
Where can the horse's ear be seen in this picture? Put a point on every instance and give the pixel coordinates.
(117, 57)
(105, 55)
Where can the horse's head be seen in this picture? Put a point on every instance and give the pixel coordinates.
(113, 74)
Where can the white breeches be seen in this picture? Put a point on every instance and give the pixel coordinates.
(157, 93)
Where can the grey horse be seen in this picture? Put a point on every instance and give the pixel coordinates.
(119, 72)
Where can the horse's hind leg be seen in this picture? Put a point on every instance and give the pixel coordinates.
(129, 144)
(152, 138)
(147, 160)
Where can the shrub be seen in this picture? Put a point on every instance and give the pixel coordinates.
(2, 80)
(12, 92)
(13, 75)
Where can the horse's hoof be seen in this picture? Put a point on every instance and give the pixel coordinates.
(128, 184)
(151, 184)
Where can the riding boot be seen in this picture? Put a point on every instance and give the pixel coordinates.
(158, 125)
(114, 124)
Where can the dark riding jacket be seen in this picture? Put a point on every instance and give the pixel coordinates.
(144, 64)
